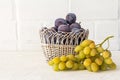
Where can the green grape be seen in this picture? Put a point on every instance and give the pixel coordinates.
(50, 62)
(103, 67)
(98, 61)
(70, 57)
(78, 48)
(86, 43)
(63, 58)
(81, 55)
(94, 67)
(61, 66)
(106, 54)
(56, 60)
(92, 45)
(69, 64)
(77, 58)
(86, 50)
(112, 66)
(75, 66)
(87, 62)
(55, 67)
(93, 52)
(100, 49)
(81, 66)
(110, 53)
(108, 60)
(89, 68)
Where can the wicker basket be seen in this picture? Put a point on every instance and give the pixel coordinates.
(57, 44)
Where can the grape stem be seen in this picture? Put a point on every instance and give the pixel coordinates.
(105, 41)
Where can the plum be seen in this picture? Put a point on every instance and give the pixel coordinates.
(75, 25)
(64, 28)
(71, 18)
(75, 30)
(59, 22)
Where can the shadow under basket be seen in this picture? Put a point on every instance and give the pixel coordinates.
(56, 44)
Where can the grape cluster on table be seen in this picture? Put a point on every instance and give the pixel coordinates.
(89, 57)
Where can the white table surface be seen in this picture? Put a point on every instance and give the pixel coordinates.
(32, 66)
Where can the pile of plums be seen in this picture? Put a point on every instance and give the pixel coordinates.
(67, 25)
(63, 27)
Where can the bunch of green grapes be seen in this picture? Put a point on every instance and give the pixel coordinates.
(95, 57)
(68, 62)
(89, 56)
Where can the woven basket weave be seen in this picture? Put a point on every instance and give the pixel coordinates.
(57, 44)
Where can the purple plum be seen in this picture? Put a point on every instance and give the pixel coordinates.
(64, 28)
(71, 18)
(59, 22)
(75, 25)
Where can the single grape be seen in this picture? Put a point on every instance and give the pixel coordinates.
(81, 55)
(108, 60)
(86, 43)
(106, 54)
(56, 60)
(63, 58)
(75, 66)
(70, 18)
(81, 66)
(55, 67)
(70, 57)
(69, 64)
(112, 66)
(87, 50)
(103, 67)
(60, 21)
(100, 49)
(61, 66)
(94, 67)
(77, 57)
(92, 45)
(98, 61)
(89, 68)
(93, 52)
(87, 62)
(109, 53)
(78, 48)
(50, 62)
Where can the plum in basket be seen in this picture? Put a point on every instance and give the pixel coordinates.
(71, 18)
(64, 28)
(59, 22)
(75, 25)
